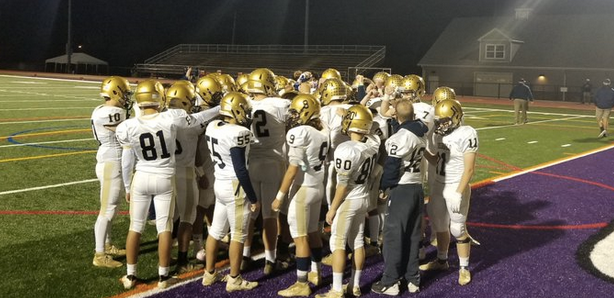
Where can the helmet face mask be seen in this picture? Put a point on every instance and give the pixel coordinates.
(117, 88)
(210, 90)
(357, 119)
(448, 116)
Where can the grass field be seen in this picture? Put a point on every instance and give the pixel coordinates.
(49, 195)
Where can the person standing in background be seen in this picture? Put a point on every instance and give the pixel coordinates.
(604, 101)
(521, 95)
(587, 89)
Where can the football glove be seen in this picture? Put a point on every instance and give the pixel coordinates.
(455, 200)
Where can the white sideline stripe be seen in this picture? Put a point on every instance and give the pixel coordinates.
(565, 145)
(42, 121)
(531, 122)
(549, 164)
(49, 79)
(46, 187)
(183, 281)
(500, 139)
(49, 142)
(529, 112)
(532, 142)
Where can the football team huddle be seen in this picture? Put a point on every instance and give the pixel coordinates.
(306, 161)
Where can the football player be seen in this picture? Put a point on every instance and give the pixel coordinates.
(182, 96)
(307, 142)
(229, 141)
(267, 161)
(457, 147)
(354, 161)
(151, 139)
(402, 183)
(210, 92)
(116, 94)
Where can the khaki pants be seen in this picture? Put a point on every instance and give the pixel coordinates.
(520, 110)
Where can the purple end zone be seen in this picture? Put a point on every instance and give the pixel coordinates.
(530, 230)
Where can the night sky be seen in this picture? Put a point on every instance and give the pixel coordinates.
(128, 32)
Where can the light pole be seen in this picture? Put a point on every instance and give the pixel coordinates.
(306, 40)
(68, 42)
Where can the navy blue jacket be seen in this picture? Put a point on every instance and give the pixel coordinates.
(604, 97)
(521, 91)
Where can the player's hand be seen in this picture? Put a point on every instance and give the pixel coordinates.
(455, 200)
(203, 182)
(341, 112)
(383, 196)
(276, 205)
(254, 207)
(360, 79)
(330, 215)
(128, 197)
(389, 90)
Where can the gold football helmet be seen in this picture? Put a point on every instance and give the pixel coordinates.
(366, 82)
(210, 90)
(381, 76)
(394, 80)
(331, 73)
(241, 79)
(227, 82)
(413, 85)
(261, 81)
(236, 106)
(117, 88)
(280, 83)
(187, 83)
(357, 119)
(448, 116)
(181, 96)
(332, 89)
(150, 93)
(442, 93)
(303, 109)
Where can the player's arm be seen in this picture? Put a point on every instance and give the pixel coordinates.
(393, 165)
(128, 161)
(239, 158)
(341, 192)
(468, 170)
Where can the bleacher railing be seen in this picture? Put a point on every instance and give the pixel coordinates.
(366, 50)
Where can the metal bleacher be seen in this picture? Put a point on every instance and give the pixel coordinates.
(281, 59)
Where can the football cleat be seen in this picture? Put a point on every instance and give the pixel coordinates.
(298, 289)
(355, 290)
(464, 276)
(380, 288)
(314, 277)
(209, 278)
(166, 281)
(435, 265)
(271, 267)
(371, 250)
(114, 251)
(105, 260)
(239, 284)
(129, 281)
(330, 294)
(246, 263)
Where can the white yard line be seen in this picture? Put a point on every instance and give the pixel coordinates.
(50, 142)
(43, 121)
(46, 187)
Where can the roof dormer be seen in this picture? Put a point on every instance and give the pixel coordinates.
(497, 46)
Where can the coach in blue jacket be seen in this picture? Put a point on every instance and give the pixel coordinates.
(604, 101)
(521, 95)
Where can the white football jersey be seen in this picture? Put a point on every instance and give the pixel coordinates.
(408, 147)
(307, 148)
(450, 152)
(425, 113)
(330, 116)
(152, 138)
(269, 127)
(354, 162)
(221, 137)
(187, 139)
(105, 116)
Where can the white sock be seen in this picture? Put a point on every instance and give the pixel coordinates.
(442, 255)
(463, 262)
(269, 255)
(247, 251)
(356, 278)
(131, 269)
(163, 271)
(301, 275)
(316, 267)
(373, 228)
(100, 231)
(338, 281)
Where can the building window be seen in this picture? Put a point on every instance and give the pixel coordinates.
(495, 51)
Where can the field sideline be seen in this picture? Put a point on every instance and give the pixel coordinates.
(48, 198)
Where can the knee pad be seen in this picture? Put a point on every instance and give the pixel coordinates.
(458, 230)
